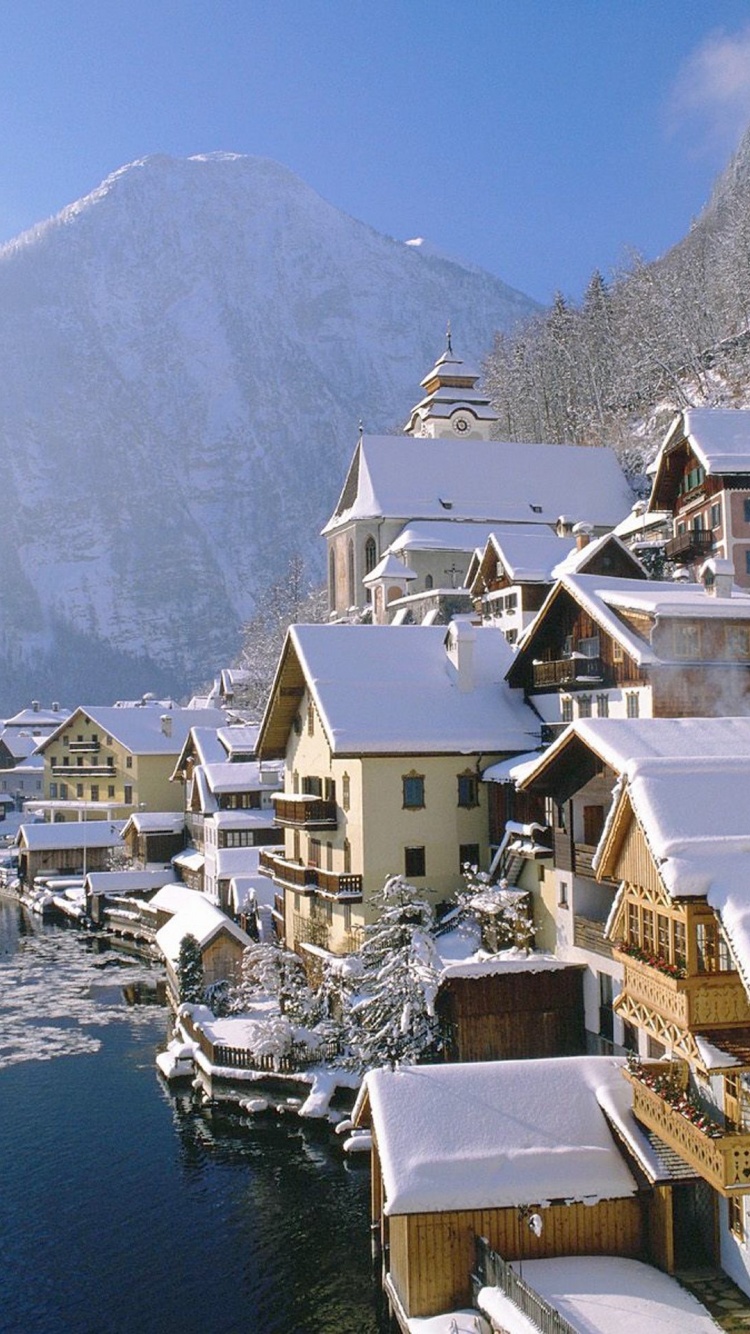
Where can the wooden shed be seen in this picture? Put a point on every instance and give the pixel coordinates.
(512, 1009)
(461, 1151)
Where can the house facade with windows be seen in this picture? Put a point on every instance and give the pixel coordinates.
(383, 731)
(430, 497)
(702, 479)
(677, 844)
(606, 647)
(575, 778)
(108, 762)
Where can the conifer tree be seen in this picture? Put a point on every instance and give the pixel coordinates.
(190, 971)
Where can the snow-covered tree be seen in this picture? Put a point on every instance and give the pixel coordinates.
(293, 600)
(393, 1019)
(268, 971)
(509, 908)
(190, 971)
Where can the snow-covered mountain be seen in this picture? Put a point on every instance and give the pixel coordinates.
(185, 355)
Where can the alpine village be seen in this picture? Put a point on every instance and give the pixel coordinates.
(472, 887)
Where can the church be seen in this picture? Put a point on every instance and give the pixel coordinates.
(415, 507)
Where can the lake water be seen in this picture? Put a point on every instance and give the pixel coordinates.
(125, 1209)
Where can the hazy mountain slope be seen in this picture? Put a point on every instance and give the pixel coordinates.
(184, 358)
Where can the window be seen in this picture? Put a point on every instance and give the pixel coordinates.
(350, 572)
(618, 653)
(593, 824)
(371, 555)
(631, 704)
(429, 582)
(331, 580)
(347, 857)
(589, 647)
(312, 786)
(128, 761)
(413, 791)
(94, 791)
(562, 894)
(680, 948)
(52, 789)
(686, 638)
(79, 789)
(634, 934)
(584, 706)
(347, 916)
(566, 709)
(414, 862)
(736, 1209)
(511, 636)
(468, 855)
(713, 952)
(747, 561)
(95, 738)
(345, 792)
(314, 852)
(468, 790)
(310, 718)
(648, 930)
(746, 508)
(128, 795)
(79, 762)
(111, 790)
(716, 514)
(662, 936)
(602, 706)
(329, 789)
(329, 856)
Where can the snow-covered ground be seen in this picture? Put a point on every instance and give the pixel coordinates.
(603, 1295)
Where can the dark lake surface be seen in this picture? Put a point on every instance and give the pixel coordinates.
(126, 1209)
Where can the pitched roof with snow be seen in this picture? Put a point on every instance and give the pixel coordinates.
(719, 437)
(64, 834)
(200, 919)
(140, 730)
(386, 689)
(497, 1134)
(481, 480)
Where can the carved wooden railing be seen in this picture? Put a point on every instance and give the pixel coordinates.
(705, 1000)
(721, 1158)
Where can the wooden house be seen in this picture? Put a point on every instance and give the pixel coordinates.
(66, 848)
(678, 843)
(461, 1151)
(504, 1010)
(188, 913)
(603, 647)
(702, 479)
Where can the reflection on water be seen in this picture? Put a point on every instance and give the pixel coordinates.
(126, 1210)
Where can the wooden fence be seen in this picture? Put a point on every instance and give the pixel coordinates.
(494, 1272)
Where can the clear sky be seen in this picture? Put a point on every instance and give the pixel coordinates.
(537, 138)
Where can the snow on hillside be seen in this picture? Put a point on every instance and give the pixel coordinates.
(185, 354)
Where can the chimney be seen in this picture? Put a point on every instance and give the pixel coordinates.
(564, 526)
(459, 645)
(55, 706)
(582, 533)
(166, 724)
(717, 577)
(35, 705)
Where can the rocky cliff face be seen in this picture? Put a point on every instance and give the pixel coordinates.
(185, 355)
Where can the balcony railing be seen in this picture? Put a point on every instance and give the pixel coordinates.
(721, 1157)
(79, 771)
(589, 935)
(310, 879)
(304, 812)
(576, 670)
(702, 1001)
(84, 747)
(691, 544)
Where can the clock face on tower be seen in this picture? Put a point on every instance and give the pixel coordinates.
(460, 424)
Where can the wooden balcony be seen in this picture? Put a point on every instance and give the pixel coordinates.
(570, 856)
(721, 1157)
(583, 859)
(79, 771)
(304, 812)
(575, 672)
(693, 544)
(84, 747)
(310, 879)
(703, 1001)
(589, 935)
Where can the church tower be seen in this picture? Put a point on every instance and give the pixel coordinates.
(453, 408)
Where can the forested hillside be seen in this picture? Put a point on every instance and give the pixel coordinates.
(655, 337)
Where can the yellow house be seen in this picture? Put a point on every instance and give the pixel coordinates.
(384, 731)
(107, 762)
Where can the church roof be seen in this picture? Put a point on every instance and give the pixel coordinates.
(486, 481)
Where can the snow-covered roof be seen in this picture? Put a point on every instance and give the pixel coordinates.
(442, 535)
(498, 1134)
(513, 770)
(239, 738)
(719, 437)
(236, 861)
(189, 860)
(200, 919)
(175, 896)
(485, 480)
(389, 567)
(127, 882)
(20, 741)
(63, 834)
(48, 719)
(155, 822)
(141, 731)
(530, 552)
(237, 776)
(386, 689)
(603, 1294)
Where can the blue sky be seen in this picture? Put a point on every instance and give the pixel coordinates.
(537, 138)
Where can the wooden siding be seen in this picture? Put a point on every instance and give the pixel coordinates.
(431, 1255)
(636, 864)
(514, 1016)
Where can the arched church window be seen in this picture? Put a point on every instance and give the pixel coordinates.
(371, 555)
(332, 579)
(428, 581)
(350, 565)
